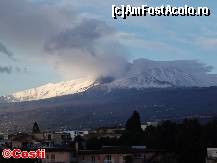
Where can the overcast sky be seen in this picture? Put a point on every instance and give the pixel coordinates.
(44, 41)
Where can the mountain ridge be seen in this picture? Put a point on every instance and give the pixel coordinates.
(97, 108)
(140, 74)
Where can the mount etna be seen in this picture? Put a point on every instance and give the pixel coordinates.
(158, 90)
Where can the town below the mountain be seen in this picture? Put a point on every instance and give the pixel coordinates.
(188, 141)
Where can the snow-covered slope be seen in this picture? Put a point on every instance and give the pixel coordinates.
(141, 73)
(52, 90)
(144, 73)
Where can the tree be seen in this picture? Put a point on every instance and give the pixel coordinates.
(133, 124)
(161, 136)
(133, 134)
(35, 128)
(188, 142)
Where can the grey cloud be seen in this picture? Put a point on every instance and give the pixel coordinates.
(11, 69)
(55, 34)
(89, 48)
(28, 24)
(21, 69)
(82, 36)
(5, 51)
(5, 69)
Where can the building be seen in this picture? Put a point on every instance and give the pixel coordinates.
(110, 132)
(61, 138)
(53, 138)
(76, 133)
(146, 124)
(59, 155)
(36, 140)
(3, 136)
(211, 155)
(21, 140)
(125, 155)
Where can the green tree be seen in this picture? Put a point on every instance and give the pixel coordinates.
(188, 142)
(133, 134)
(133, 124)
(35, 128)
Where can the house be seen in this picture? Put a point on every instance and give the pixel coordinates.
(125, 155)
(38, 136)
(56, 138)
(61, 138)
(45, 139)
(21, 140)
(59, 155)
(211, 155)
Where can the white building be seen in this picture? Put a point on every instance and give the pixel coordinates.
(211, 155)
(77, 133)
(146, 124)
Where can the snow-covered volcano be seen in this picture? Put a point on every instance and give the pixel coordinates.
(144, 73)
(140, 74)
(52, 90)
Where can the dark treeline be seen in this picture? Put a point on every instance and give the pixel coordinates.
(188, 140)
